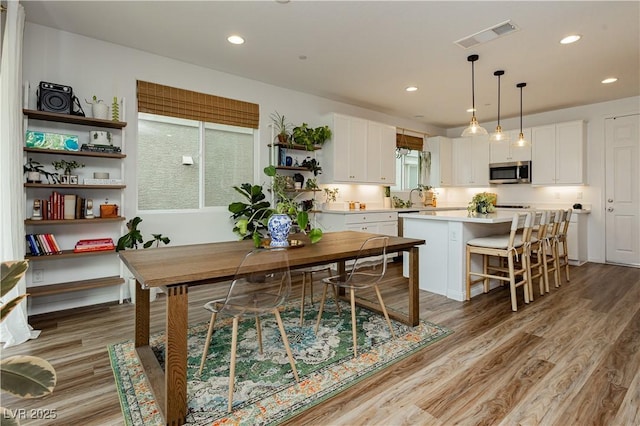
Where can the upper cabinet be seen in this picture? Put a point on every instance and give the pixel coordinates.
(360, 151)
(559, 154)
(440, 148)
(507, 151)
(471, 161)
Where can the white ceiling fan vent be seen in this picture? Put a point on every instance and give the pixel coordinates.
(499, 30)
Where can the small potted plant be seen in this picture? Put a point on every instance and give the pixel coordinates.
(99, 109)
(282, 128)
(68, 167)
(33, 169)
(481, 203)
(313, 165)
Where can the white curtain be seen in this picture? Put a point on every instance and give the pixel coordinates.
(14, 329)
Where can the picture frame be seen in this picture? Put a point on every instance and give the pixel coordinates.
(73, 180)
(64, 179)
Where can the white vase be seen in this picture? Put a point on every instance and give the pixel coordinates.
(386, 202)
(100, 110)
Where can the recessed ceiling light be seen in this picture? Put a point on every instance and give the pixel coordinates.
(235, 39)
(411, 89)
(418, 116)
(609, 80)
(570, 39)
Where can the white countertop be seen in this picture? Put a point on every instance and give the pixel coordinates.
(499, 216)
(400, 210)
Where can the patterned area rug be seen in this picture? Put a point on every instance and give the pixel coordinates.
(266, 392)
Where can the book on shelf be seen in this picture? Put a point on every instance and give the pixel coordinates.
(42, 244)
(98, 244)
(69, 206)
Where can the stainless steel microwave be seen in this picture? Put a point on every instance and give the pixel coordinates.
(515, 172)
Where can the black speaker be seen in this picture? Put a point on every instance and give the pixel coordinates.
(55, 98)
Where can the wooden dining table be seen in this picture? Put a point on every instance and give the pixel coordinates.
(177, 268)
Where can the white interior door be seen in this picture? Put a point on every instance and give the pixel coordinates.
(622, 202)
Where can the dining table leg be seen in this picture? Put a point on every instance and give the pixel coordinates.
(175, 377)
(142, 316)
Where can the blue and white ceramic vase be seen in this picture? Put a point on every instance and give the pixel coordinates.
(279, 226)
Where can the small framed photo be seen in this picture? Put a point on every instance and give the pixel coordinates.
(73, 180)
(65, 179)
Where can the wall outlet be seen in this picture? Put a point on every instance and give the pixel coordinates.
(453, 235)
(579, 195)
(38, 275)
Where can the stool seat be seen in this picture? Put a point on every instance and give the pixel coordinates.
(496, 241)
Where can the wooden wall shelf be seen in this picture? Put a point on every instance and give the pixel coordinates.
(77, 153)
(47, 290)
(73, 119)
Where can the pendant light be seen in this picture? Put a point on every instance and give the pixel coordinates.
(521, 140)
(474, 128)
(499, 135)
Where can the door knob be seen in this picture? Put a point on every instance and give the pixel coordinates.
(610, 209)
(610, 200)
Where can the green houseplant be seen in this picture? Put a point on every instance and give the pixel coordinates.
(134, 237)
(67, 166)
(481, 203)
(251, 217)
(310, 137)
(282, 127)
(21, 375)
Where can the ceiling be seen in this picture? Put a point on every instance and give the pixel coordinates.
(366, 52)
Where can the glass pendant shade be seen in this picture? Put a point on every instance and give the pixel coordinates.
(499, 135)
(474, 128)
(521, 139)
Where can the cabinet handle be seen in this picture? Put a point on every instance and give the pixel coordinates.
(610, 209)
(610, 200)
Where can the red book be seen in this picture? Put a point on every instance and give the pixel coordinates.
(84, 249)
(44, 243)
(93, 242)
(53, 244)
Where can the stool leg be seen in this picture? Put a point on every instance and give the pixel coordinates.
(468, 273)
(304, 285)
(512, 283)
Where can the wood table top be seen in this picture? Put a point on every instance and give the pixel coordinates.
(205, 263)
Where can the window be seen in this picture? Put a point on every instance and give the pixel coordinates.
(164, 183)
(407, 171)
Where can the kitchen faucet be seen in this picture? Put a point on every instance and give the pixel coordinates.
(410, 203)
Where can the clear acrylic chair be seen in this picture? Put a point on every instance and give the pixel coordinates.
(365, 273)
(307, 277)
(253, 292)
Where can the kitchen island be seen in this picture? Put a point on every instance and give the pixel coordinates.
(442, 257)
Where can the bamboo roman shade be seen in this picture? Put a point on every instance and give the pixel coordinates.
(173, 102)
(409, 142)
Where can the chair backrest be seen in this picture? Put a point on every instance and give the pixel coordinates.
(373, 266)
(262, 281)
(521, 221)
(537, 222)
(564, 226)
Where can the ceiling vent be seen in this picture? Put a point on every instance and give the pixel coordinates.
(489, 34)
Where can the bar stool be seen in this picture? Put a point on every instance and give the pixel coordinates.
(550, 263)
(537, 250)
(509, 246)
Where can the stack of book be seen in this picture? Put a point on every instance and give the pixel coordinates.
(100, 244)
(100, 148)
(63, 206)
(42, 244)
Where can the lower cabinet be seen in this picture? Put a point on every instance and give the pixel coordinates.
(373, 223)
(577, 239)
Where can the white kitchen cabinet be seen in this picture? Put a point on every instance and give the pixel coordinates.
(360, 151)
(441, 167)
(558, 154)
(577, 238)
(507, 151)
(381, 153)
(471, 161)
(385, 223)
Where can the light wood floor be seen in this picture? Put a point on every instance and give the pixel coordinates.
(572, 357)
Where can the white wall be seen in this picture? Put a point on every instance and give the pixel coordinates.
(95, 67)
(592, 194)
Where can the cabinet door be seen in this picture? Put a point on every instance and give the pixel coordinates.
(388, 228)
(543, 155)
(440, 148)
(570, 153)
(479, 161)
(499, 151)
(462, 174)
(380, 153)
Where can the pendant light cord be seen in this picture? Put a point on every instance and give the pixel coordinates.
(499, 100)
(473, 90)
(521, 108)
